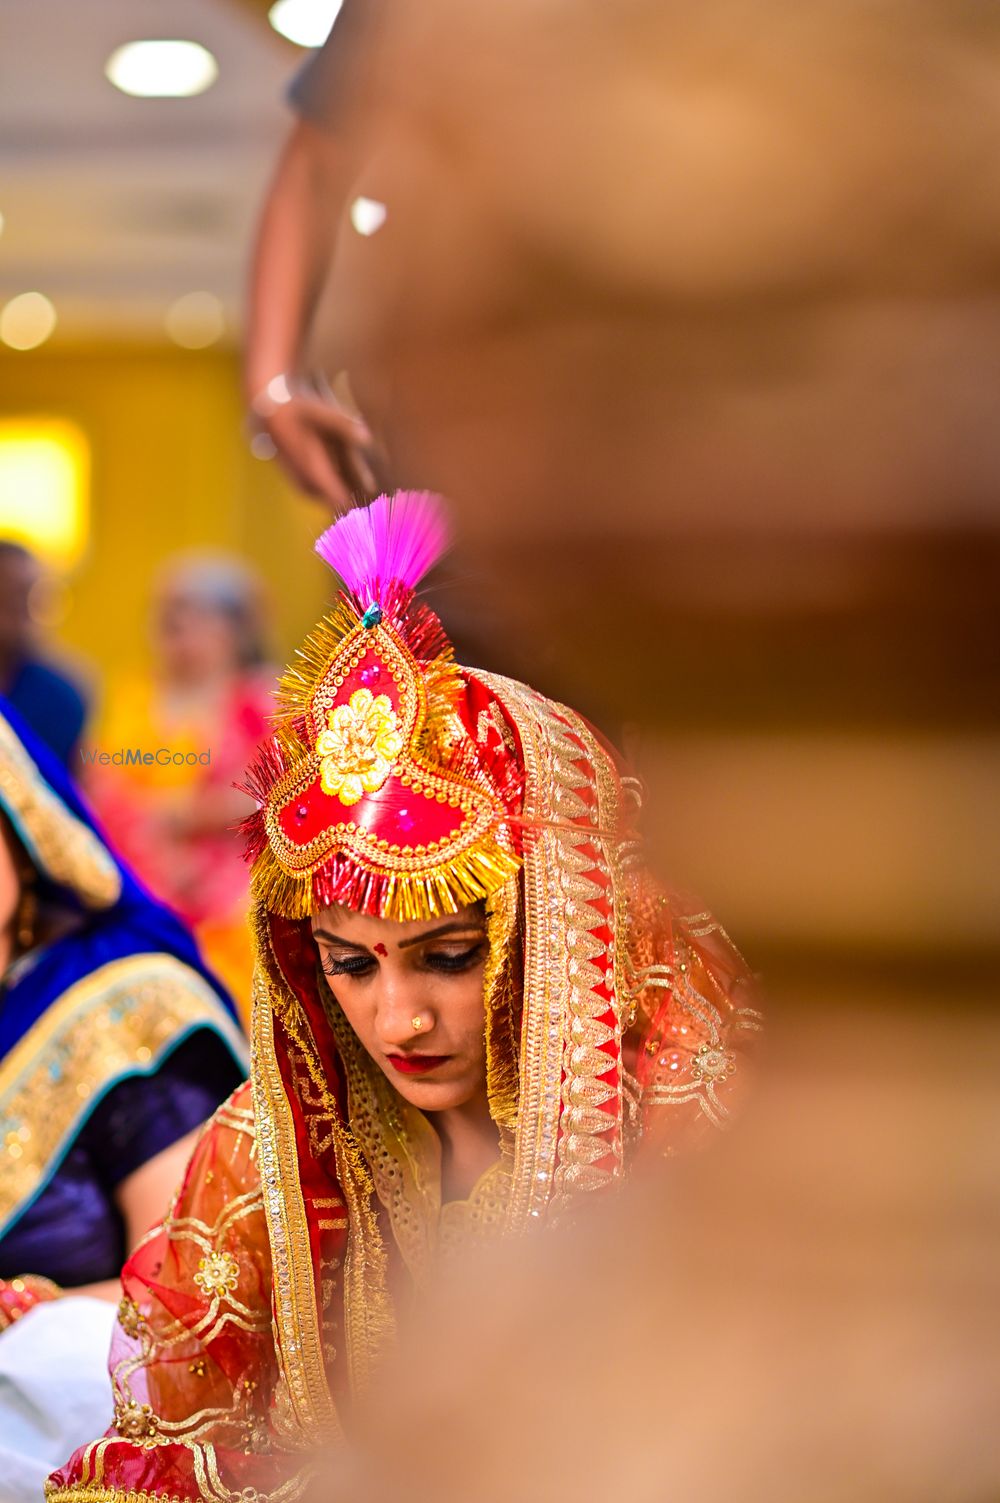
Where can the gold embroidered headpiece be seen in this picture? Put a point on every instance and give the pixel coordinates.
(375, 790)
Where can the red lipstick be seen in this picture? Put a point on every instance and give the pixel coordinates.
(416, 1064)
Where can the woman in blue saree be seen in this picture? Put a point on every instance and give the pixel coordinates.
(115, 1042)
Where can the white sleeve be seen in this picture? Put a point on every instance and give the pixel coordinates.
(55, 1392)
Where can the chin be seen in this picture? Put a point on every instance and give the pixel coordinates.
(435, 1096)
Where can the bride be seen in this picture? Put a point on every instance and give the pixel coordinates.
(473, 1004)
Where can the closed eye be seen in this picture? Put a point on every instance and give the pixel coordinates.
(451, 961)
(348, 965)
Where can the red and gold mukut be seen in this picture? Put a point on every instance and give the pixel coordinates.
(375, 791)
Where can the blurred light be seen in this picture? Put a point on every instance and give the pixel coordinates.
(368, 215)
(162, 69)
(44, 476)
(196, 320)
(305, 22)
(27, 321)
(262, 446)
(1, 224)
(278, 390)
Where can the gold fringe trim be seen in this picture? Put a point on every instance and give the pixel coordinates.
(442, 687)
(297, 684)
(468, 877)
(279, 891)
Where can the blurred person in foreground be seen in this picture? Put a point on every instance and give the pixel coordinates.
(198, 720)
(115, 1045)
(624, 241)
(44, 696)
(811, 1312)
(474, 1007)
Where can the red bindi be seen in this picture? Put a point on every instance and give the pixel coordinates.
(380, 949)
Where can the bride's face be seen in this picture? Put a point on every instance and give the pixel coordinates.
(413, 993)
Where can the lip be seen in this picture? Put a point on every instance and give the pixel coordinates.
(416, 1064)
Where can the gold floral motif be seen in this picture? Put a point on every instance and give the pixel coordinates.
(129, 1317)
(218, 1273)
(359, 746)
(713, 1063)
(135, 1421)
(256, 1437)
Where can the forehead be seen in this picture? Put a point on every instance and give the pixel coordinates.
(361, 929)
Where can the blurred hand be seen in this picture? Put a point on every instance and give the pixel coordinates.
(324, 448)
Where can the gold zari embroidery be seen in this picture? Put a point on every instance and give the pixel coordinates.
(121, 1019)
(67, 851)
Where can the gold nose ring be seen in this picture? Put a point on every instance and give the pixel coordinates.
(417, 1023)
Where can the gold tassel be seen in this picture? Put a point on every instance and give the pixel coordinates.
(404, 897)
(277, 890)
(468, 878)
(443, 687)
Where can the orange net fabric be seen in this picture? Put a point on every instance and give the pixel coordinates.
(695, 1023)
(192, 1361)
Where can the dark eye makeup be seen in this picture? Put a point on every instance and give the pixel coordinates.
(352, 965)
(446, 962)
(450, 961)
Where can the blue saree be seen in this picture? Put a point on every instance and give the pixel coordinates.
(115, 1040)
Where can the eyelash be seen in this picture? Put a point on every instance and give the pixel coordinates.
(356, 966)
(363, 965)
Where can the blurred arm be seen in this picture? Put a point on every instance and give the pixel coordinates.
(318, 441)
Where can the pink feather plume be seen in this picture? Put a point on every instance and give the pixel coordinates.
(394, 541)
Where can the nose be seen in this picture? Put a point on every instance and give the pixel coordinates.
(399, 1004)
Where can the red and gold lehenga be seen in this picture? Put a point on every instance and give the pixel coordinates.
(311, 1213)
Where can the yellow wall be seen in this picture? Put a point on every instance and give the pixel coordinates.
(171, 470)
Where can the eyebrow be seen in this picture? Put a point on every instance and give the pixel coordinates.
(418, 939)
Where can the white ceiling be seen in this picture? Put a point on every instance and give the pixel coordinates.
(113, 206)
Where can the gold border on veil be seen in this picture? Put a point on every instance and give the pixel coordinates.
(569, 862)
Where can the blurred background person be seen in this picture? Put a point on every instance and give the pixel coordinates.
(202, 713)
(115, 1045)
(46, 698)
